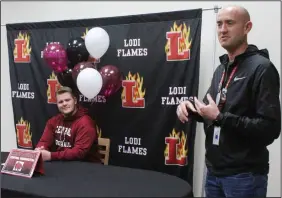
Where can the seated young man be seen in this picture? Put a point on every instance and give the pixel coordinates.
(72, 132)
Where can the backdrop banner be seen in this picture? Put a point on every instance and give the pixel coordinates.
(158, 56)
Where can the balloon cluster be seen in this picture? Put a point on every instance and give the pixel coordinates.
(73, 68)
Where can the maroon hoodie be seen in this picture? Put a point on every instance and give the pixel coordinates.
(74, 138)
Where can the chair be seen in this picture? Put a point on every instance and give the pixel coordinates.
(104, 149)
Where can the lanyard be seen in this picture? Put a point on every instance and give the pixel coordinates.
(230, 77)
(221, 96)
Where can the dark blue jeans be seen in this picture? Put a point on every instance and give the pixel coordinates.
(241, 185)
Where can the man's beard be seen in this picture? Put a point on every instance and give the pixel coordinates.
(235, 44)
(70, 113)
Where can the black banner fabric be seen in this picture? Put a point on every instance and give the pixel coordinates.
(158, 55)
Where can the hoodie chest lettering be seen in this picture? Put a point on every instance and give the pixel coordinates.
(63, 131)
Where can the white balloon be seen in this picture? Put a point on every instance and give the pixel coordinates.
(89, 82)
(97, 42)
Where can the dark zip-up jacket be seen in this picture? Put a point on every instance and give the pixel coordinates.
(251, 117)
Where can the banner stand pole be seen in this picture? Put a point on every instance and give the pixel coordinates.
(216, 8)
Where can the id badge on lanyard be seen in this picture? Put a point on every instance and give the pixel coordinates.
(220, 100)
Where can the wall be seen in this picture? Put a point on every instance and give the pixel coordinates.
(264, 34)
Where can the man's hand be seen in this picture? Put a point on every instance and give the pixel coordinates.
(39, 148)
(209, 111)
(182, 112)
(46, 155)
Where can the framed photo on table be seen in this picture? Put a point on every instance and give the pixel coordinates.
(22, 162)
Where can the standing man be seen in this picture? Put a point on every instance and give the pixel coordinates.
(241, 112)
(72, 132)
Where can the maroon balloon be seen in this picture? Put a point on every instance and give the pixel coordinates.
(56, 57)
(112, 80)
(79, 67)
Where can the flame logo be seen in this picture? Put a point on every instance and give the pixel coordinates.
(184, 43)
(27, 135)
(181, 151)
(84, 33)
(52, 77)
(137, 90)
(99, 131)
(26, 46)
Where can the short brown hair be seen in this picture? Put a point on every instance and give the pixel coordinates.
(64, 89)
